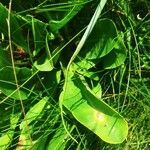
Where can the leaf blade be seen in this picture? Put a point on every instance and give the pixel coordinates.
(94, 113)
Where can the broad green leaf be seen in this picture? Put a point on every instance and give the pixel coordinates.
(8, 84)
(43, 63)
(101, 41)
(39, 32)
(6, 138)
(116, 57)
(26, 125)
(16, 31)
(34, 112)
(80, 69)
(93, 113)
(97, 89)
(82, 66)
(55, 25)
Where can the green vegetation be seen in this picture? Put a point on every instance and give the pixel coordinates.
(74, 74)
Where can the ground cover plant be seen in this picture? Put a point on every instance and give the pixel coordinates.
(74, 74)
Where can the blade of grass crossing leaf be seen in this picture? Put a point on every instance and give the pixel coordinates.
(94, 113)
(59, 140)
(34, 112)
(17, 35)
(72, 8)
(79, 47)
(35, 73)
(6, 138)
(31, 116)
(13, 64)
(88, 30)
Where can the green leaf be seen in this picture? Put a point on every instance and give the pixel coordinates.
(102, 39)
(101, 42)
(8, 84)
(93, 113)
(104, 46)
(51, 81)
(97, 89)
(43, 63)
(40, 143)
(56, 25)
(16, 31)
(34, 112)
(4, 58)
(8, 136)
(116, 57)
(39, 32)
(26, 125)
(5, 140)
(59, 140)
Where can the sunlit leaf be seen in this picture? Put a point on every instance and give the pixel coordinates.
(43, 63)
(33, 113)
(26, 127)
(6, 138)
(93, 113)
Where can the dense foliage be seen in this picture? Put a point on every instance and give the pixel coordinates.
(74, 74)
